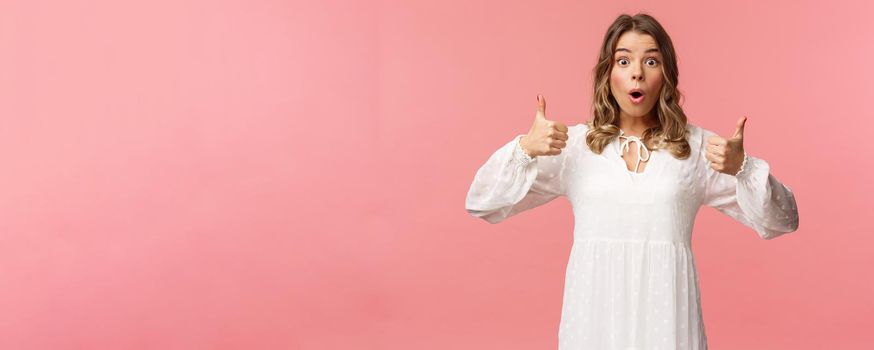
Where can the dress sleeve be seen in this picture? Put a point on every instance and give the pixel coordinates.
(754, 197)
(510, 181)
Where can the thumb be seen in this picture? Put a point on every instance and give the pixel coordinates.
(541, 106)
(741, 123)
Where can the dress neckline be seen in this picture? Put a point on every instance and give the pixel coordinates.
(621, 144)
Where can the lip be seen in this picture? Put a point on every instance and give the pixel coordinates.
(638, 100)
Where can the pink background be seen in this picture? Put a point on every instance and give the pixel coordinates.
(291, 175)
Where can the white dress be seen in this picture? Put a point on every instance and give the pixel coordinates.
(631, 281)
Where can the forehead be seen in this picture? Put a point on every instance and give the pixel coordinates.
(636, 42)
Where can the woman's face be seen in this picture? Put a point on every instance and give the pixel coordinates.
(636, 67)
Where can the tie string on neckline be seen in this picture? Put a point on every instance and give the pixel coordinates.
(641, 148)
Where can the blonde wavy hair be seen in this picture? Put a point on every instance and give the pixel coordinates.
(670, 133)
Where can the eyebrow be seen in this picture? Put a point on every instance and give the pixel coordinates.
(629, 51)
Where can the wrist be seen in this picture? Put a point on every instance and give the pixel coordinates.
(519, 153)
(743, 165)
(523, 145)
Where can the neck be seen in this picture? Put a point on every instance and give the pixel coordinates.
(635, 126)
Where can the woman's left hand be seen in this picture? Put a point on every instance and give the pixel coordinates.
(727, 155)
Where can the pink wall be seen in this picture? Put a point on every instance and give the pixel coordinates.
(289, 175)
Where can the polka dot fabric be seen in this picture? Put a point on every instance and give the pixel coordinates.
(631, 281)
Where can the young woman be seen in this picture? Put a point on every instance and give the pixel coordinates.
(636, 175)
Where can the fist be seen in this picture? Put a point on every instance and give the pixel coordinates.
(546, 137)
(727, 155)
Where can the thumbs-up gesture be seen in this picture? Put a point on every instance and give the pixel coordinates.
(727, 155)
(546, 137)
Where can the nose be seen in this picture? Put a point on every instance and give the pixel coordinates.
(637, 73)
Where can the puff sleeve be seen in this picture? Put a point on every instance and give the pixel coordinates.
(753, 197)
(511, 182)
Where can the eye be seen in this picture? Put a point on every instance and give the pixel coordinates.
(652, 62)
(622, 60)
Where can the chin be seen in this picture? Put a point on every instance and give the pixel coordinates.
(636, 112)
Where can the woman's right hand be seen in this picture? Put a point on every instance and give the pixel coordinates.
(546, 137)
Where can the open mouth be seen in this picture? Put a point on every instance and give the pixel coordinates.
(636, 96)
